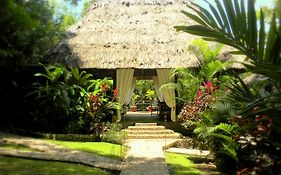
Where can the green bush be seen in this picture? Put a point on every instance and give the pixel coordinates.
(113, 133)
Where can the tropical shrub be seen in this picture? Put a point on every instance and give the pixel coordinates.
(113, 133)
(193, 111)
(68, 101)
(254, 109)
(210, 70)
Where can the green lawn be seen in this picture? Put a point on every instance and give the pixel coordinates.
(100, 148)
(16, 147)
(180, 164)
(19, 166)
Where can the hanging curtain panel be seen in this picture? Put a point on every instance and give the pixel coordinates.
(124, 86)
(164, 77)
(157, 87)
(131, 91)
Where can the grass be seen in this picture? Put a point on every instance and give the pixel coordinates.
(100, 148)
(180, 164)
(16, 147)
(19, 166)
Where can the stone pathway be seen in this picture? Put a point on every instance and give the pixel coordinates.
(195, 152)
(146, 142)
(146, 157)
(47, 151)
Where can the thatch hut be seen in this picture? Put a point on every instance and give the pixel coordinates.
(128, 35)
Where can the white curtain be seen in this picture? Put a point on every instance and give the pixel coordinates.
(164, 77)
(131, 91)
(124, 86)
(157, 87)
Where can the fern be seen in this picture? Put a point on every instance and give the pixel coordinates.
(227, 128)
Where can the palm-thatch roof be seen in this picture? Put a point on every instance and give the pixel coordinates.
(129, 34)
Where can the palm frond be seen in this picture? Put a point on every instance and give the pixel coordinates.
(230, 23)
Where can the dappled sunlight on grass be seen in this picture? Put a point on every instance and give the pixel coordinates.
(100, 148)
(19, 166)
(180, 164)
(16, 147)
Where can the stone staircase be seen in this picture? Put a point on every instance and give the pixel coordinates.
(150, 131)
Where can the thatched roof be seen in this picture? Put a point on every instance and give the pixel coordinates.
(129, 34)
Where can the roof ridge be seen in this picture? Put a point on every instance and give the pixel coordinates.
(128, 3)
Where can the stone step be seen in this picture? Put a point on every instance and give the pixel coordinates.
(146, 128)
(145, 124)
(154, 136)
(166, 131)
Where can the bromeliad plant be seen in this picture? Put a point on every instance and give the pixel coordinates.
(256, 108)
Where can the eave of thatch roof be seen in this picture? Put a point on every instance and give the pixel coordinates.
(129, 34)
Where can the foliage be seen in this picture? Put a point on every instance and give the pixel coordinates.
(150, 94)
(86, 6)
(20, 166)
(219, 139)
(194, 110)
(67, 100)
(142, 86)
(189, 81)
(113, 133)
(143, 91)
(254, 108)
(100, 148)
(135, 98)
(29, 32)
(62, 15)
(196, 86)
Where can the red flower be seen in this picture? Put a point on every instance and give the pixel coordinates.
(96, 98)
(103, 88)
(199, 93)
(208, 85)
(91, 98)
(115, 92)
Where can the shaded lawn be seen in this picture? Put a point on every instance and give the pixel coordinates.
(20, 166)
(16, 147)
(100, 148)
(180, 164)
